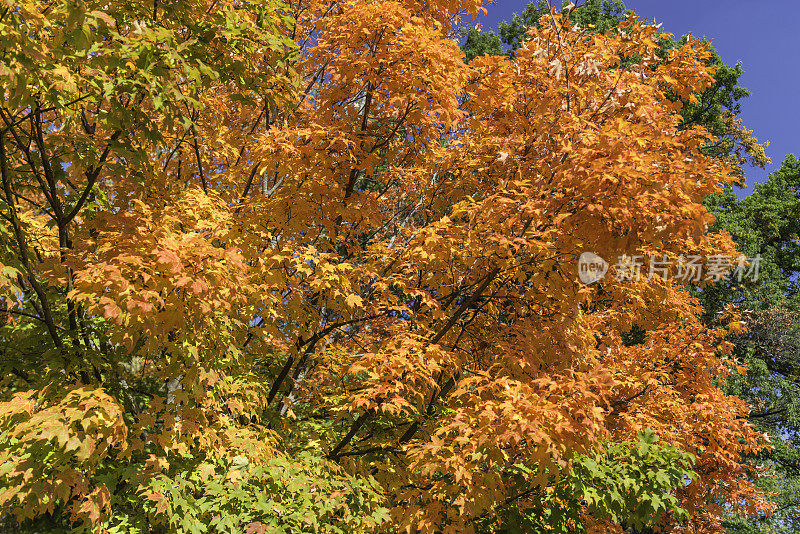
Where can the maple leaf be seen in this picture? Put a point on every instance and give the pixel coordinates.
(354, 301)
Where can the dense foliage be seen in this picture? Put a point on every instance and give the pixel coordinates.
(763, 225)
(300, 267)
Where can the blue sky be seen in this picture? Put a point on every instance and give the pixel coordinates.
(764, 35)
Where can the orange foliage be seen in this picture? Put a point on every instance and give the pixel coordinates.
(383, 267)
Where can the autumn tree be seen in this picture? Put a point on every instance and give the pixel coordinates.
(761, 225)
(717, 107)
(125, 303)
(298, 267)
(594, 15)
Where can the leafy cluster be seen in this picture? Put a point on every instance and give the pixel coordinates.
(295, 267)
(630, 483)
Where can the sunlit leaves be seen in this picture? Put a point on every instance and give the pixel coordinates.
(53, 445)
(325, 272)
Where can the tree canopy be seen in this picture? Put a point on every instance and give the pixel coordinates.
(300, 267)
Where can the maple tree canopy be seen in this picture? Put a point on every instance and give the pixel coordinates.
(299, 267)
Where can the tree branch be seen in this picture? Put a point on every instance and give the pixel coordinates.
(23, 247)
